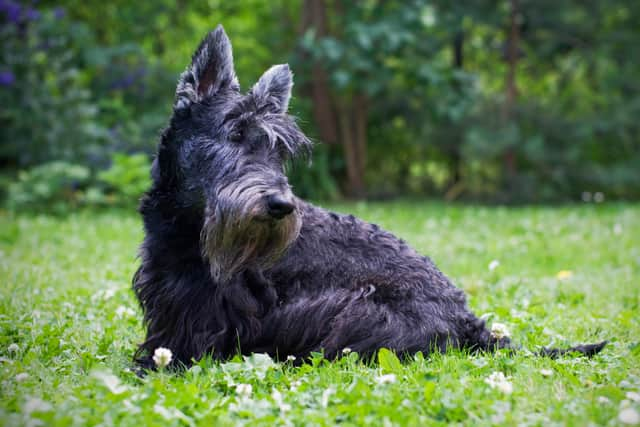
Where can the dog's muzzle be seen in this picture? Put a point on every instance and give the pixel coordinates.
(250, 231)
(279, 205)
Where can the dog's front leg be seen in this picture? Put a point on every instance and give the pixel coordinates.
(262, 289)
(241, 304)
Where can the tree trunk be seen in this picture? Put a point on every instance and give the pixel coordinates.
(314, 16)
(456, 186)
(458, 64)
(339, 119)
(513, 41)
(353, 141)
(360, 137)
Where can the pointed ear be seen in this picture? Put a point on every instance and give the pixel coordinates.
(211, 70)
(273, 89)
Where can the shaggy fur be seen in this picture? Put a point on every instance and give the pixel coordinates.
(233, 262)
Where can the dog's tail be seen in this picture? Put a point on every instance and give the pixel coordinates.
(479, 337)
(588, 350)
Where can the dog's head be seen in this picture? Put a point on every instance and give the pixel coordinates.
(224, 154)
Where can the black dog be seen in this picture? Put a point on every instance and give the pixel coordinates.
(233, 262)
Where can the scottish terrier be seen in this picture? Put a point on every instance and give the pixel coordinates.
(233, 261)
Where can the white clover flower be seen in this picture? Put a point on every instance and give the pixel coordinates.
(632, 395)
(21, 377)
(123, 311)
(35, 404)
(499, 330)
(505, 387)
(501, 409)
(629, 416)
(169, 413)
(325, 396)
(295, 384)
(291, 358)
(131, 407)
(546, 372)
(110, 381)
(625, 384)
(598, 197)
(494, 264)
(162, 357)
(109, 293)
(603, 400)
(284, 407)
(498, 381)
(244, 390)
(386, 379)
(277, 398)
(346, 351)
(13, 348)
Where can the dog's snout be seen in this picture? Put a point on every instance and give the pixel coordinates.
(279, 206)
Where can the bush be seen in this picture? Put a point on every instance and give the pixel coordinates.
(313, 180)
(60, 186)
(127, 178)
(47, 112)
(55, 186)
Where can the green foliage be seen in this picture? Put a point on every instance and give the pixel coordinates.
(61, 186)
(570, 121)
(313, 180)
(389, 362)
(81, 80)
(55, 186)
(70, 325)
(128, 177)
(47, 113)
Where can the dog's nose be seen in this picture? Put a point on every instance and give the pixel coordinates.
(278, 207)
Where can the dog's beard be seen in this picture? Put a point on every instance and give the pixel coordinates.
(234, 239)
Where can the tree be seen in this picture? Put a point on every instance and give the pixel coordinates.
(357, 49)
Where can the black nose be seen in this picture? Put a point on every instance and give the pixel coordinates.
(278, 207)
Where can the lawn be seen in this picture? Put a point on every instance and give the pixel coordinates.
(554, 275)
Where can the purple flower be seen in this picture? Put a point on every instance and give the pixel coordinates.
(33, 14)
(129, 79)
(7, 78)
(12, 10)
(59, 12)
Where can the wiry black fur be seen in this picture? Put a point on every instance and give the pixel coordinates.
(219, 275)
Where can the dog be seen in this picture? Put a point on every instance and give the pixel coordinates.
(233, 262)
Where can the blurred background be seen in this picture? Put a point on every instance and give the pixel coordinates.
(506, 101)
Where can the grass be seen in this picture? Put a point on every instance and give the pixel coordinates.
(69, 325)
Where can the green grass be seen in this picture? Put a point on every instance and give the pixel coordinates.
(65, 303)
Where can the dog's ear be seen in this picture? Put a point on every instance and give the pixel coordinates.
(273, 90)
(211, 70)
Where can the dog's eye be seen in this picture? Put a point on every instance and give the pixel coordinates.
(236, 136)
